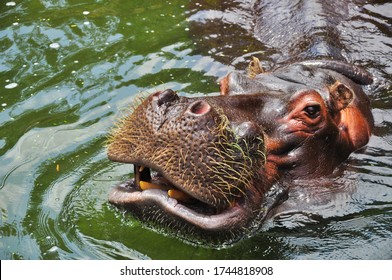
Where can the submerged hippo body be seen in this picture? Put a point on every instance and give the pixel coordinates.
(211, 168)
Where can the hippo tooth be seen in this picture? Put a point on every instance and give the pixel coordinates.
(146, 186)
(141, 168)
(179, 195)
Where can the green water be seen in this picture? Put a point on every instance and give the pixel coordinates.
(68, 71)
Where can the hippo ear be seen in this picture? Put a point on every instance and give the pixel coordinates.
(254, 68)
(340, 96)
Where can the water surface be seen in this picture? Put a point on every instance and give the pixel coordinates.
(70, 69)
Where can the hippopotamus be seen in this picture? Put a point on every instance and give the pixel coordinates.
(211, 168)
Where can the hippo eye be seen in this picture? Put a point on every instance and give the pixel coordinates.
(312, 111)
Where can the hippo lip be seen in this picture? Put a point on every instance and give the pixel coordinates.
(184, 206)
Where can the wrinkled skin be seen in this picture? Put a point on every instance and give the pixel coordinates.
(215, 166)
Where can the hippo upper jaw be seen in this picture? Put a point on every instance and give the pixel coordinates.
(194, 145)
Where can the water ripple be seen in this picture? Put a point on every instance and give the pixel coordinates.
(68, 71)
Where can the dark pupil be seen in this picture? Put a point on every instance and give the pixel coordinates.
(312, 110)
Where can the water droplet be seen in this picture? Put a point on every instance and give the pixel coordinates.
(11, 86)
(4, 104)
(54, 45)
(86, 13)
(10, 4)
(15, 23)
(53, 249)
(86, 23)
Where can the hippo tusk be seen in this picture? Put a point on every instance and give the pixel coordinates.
(147, 185)
(179, 195)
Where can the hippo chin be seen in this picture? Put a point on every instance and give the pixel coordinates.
(210, 168)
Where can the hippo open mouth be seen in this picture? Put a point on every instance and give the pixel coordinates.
(156, 193)
(191, 163)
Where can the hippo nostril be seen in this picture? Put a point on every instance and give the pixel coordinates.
(199, 107)
(166, 96)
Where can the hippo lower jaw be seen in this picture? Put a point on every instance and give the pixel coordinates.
(193, 220)
(153, 193)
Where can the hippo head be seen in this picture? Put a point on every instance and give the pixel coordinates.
(211, 167)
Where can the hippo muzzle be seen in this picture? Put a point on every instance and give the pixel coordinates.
(211, 167)
(191, 162)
